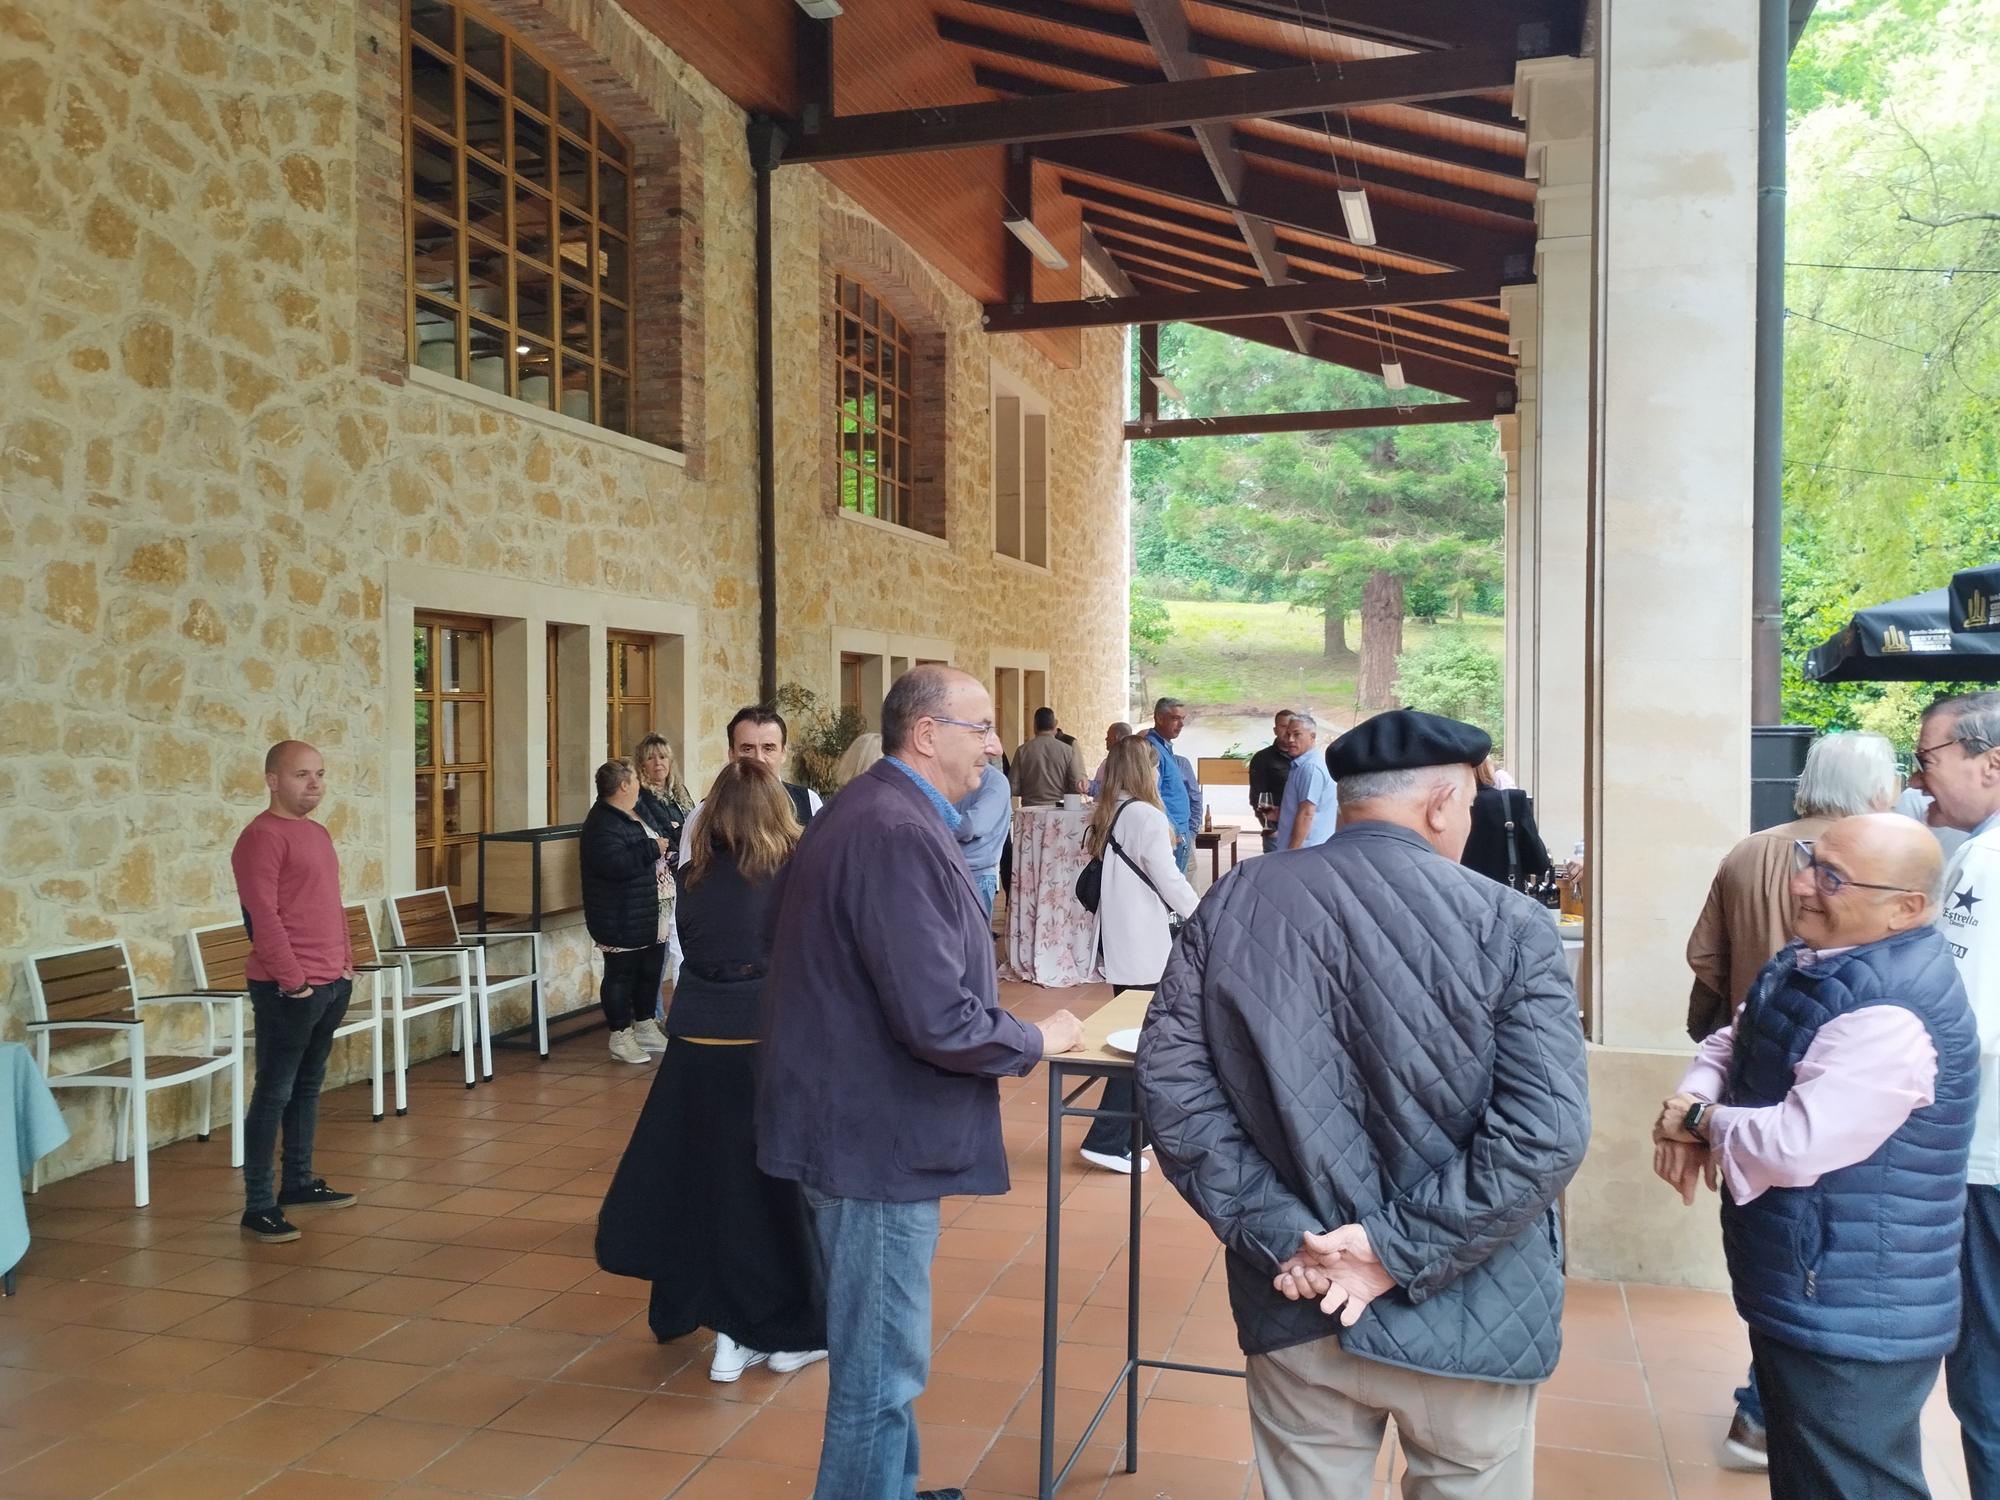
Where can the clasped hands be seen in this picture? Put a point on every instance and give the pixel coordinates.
(1340, 1269)
(1680, 1159)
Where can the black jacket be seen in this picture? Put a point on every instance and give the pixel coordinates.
(1486, 847)
(663, 817)
(883, 1032)
(621, 893)
(1364, 1032)
(725, 950)
(1269, 770)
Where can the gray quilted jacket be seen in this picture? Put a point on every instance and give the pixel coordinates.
(1366, 1032)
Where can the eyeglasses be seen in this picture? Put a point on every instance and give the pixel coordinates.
(1829, 881)
(982, 730)
(1971, 744)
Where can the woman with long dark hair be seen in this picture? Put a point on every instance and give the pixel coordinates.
(725, 1246)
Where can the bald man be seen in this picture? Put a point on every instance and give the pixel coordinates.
(1837, 1111)
(300, 973)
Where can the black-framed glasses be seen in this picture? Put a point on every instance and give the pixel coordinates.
(1829, 881)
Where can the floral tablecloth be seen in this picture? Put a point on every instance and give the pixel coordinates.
(1051, 940)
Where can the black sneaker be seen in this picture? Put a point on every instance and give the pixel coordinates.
(315, 1194)
(271, 1226)
(940, 1495)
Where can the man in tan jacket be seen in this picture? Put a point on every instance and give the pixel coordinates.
(1748, 918)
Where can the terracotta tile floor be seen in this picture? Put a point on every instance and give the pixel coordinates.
(451, 1335)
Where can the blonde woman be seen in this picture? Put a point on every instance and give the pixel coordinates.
(664, 805)
(725, 1246)
(856, 758)
(1143, 895)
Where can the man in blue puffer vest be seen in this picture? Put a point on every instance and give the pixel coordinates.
(1837, 1111)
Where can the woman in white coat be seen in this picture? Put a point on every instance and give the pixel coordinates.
(1142, 895)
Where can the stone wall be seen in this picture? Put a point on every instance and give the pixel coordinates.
(219, 505)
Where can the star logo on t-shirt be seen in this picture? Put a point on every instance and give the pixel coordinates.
(1964, 900)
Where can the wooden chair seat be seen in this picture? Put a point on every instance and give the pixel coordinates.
(220, 953)
(159, 1065)
(87, 994)
(410, 999)
(428, 919)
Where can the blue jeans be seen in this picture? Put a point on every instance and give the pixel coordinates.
(988, 882)
(877, 1260)
(1972, 1370)
(294, 1039)
(1748, 1400)
(1184, 852)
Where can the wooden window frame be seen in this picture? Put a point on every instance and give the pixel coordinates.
(616, 642)
(573, 130)
(436, 839)
(553, 724)
(873, 478)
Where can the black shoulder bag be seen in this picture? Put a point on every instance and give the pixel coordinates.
(1093, 874)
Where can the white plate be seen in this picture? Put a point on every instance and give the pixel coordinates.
(1126, 1041)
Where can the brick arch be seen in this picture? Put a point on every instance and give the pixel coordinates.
(856, 246)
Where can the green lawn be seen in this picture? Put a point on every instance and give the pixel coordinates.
(1255, 658)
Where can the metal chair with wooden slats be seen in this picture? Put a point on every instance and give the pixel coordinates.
(83, 994)
(427, 918)
(408, 999)
(219, 953)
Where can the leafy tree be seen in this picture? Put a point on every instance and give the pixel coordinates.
(1327, 520)
(1151, 626)
(1454, 675)
(1892, 390)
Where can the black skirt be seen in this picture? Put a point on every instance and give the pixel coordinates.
(725, 1246)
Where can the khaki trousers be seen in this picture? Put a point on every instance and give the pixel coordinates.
(1318, 1414)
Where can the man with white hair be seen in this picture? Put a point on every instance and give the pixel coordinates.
(1306, 812)
(1750, 914)
(1362, 1067)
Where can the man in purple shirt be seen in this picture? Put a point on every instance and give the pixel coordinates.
(1836, 1111)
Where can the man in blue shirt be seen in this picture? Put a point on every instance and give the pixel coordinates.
(988, 813)
(1170, 717)
(1306, 816)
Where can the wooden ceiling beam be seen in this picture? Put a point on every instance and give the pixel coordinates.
(1284, 201)
(1507, 161)
(1540, 28)
(1166, 27)
(1417, 185)
(1236, 53)
(1492, 393)
(1100, 261)
(1252, 302)
(1433, 413)
(1156, 106)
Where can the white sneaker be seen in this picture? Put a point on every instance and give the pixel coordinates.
(1115, 1163)
(731, 1360)
(649, 1036)
(625, 1049)
(796, 1359)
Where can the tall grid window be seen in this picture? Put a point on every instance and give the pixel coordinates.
(520, 222)
(628, 692)
(876, 417)
(454, 761)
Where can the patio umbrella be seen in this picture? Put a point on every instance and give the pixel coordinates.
(1911, 640)
(1973, 591)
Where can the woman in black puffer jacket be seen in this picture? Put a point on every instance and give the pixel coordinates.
(625, 876)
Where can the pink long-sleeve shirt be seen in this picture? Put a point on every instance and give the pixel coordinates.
(288, 882)
(1863, 1075)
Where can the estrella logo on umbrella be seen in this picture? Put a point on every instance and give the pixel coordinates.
(1894, 639)
(1978, 611)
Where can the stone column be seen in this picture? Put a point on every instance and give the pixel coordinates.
(1669, 670)
(1552, 322)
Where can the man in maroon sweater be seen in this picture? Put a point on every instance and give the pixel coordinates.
(301, 974)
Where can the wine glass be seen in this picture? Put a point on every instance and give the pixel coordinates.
(1267, 808)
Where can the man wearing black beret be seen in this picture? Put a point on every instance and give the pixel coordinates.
(1363, 1068)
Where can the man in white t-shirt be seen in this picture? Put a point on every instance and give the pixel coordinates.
(1957, 763)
